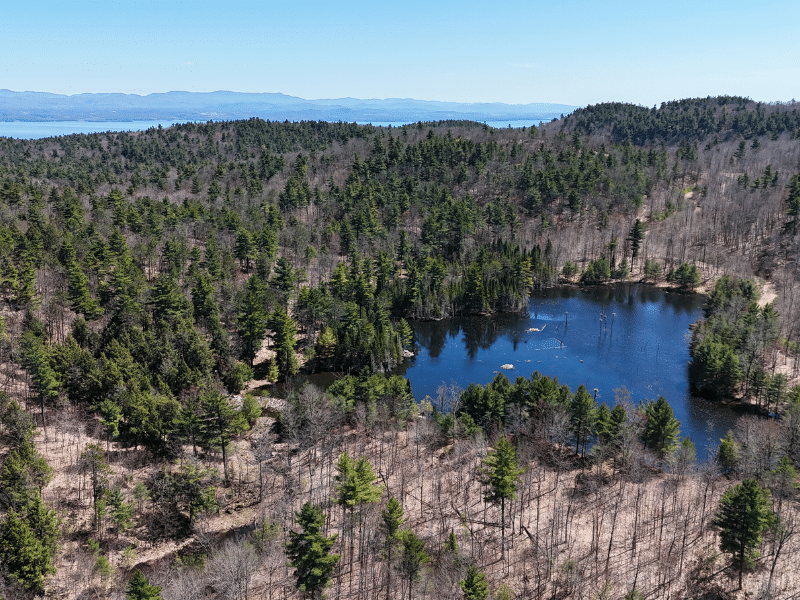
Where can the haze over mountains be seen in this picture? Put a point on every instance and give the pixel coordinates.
(218, 106)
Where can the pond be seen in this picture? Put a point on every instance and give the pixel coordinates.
(628, 335)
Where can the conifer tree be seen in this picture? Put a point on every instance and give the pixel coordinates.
(500, 473)
(309, 552)
(27, 560)
(81, 300)
(661, 429)
(252, 320)
(284, 334)
(44, 522)
(728, 454)
(743, 515)
(94, 463)
(220, 423)
(140, 589)
(636, 236)
(412, 556)
(23, 473)
(583, 414)
(356, 487)
(391, 520)
(474, 585)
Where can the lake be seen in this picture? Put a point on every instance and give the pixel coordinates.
(605, 337)
(34, 130)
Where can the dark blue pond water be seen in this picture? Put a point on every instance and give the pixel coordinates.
(605, 338)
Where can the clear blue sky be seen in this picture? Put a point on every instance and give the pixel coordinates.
(573, 52)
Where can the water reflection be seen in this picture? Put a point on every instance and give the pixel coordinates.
(603, 337)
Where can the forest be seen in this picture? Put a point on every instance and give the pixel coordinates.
(158, 289)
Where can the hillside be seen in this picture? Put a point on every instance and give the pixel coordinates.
(154, 286)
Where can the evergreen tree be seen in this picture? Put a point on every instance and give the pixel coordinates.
(652, 270)
(636, 236)
(743, 515)
(221, 422)
(309, 552)
(94, 463)
(474, 585)
(36, 359)
(120, 509)
(391, 520)
(412, 556)
(284, 332)
(81, 300)
(661, 428)
(582, 416)
(139, 588)
(44, 523)
(356, 487)
(23, 474)
(205, 306)
(27, 560)
(244, 249)
(252, 320)
(500, 473)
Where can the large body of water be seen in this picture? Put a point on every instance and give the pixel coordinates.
(34, 130)
(607, 337)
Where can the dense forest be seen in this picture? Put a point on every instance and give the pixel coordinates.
(156, 285)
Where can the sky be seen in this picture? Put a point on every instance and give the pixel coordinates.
(575, 52)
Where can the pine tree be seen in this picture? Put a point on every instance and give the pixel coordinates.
(412, 556)
(284, 332)
(25, 557)
(391, 520)
(120, 509)
(744, 514)
(636, 236)
(583, 414)
(220, 423)
(94, 463)
(23, 473)
(309, 552)
(356, 487)
(44, 523)
(661, 429)
(139, 588)
(500, 473)
(474, 585)
(36, 359)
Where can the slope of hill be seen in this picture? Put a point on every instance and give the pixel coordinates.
(149, 278)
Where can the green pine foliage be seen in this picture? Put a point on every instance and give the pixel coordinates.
(500, 474)
(583, 416)
(309, 552)
(661, 428)
(743, 516)
(140, 589)
(412, 557)
(356, 482)
(27, 559)
(730, 348)
(474, 585)
(149, 269)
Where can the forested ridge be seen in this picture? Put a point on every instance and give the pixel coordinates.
(156, 285)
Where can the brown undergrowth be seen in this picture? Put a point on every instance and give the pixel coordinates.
(577, 529)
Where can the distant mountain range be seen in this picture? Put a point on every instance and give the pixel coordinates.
(226, 106)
